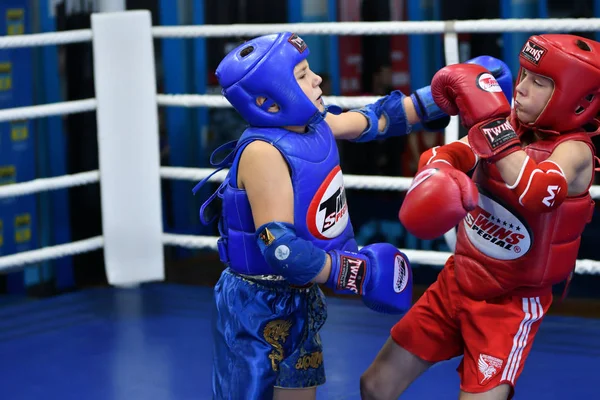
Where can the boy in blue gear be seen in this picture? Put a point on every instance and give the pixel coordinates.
(284, 222)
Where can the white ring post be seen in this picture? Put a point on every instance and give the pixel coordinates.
(452, 56)
(128, 142)
(451, 53)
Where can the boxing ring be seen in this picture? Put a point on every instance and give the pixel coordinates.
(146, 339)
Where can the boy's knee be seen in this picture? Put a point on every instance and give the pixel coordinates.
(366, 387)
(370, 388)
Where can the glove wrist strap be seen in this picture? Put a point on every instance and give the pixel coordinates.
(493, 139)
(348, 272)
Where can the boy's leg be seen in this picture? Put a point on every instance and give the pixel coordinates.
(428, 333)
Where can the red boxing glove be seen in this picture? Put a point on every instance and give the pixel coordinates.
(437, 200)
(472, 91)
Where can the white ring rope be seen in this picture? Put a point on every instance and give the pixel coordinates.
(191, 174)
(45, 184)
(210, 242)
(218, 101)
(382, 28)
(18, 260)
(324, 28)
(365, 182)
(424, 257)
(47, 110)
(46, 39)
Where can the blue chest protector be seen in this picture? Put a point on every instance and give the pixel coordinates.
(320, 208)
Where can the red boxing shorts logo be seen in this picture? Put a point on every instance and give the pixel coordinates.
(497, 232)
(533, 52)
(498, 132)
(327, 215)
(487, 82)
(488, 368)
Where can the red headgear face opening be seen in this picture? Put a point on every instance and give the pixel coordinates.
(573, 63)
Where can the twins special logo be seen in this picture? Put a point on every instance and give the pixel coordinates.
(498, 132)
(297, 42)
(533, 52)
(496, 231)
(352, 274)
(487, 82)
(327, 215)
(401, 273)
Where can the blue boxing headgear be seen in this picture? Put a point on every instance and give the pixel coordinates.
(264, 66)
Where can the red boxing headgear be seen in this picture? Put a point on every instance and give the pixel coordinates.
(573, 63)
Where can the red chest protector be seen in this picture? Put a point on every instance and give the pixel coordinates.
(503, 249)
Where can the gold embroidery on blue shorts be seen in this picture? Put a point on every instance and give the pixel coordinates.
(276, 333)
(312, 360)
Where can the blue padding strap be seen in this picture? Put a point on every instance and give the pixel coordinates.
(392, 106)
(294, 258)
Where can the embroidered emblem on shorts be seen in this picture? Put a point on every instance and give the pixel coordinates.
(488, 368)
(312, 360)
(267, 237)
(276, 333)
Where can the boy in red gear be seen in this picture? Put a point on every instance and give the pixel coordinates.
(520, 217)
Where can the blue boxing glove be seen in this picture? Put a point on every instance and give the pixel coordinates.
(499, 70)
(379, 272)
(430, 114)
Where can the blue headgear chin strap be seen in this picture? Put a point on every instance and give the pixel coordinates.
(264, 67)
(320, 115)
